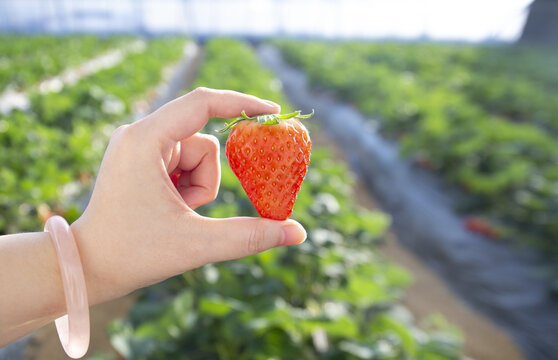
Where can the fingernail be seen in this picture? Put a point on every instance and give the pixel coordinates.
(269, 102)
(292, 233)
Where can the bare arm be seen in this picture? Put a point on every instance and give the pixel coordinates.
(30, 285)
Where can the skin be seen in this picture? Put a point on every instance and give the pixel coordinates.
(138, 229)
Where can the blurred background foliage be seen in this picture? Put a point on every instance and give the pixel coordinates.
(52, 150)
(484, 117)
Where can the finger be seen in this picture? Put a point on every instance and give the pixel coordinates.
(172, 163)
(233, 238)
(186, 115)
(201, 170)
(116, 133)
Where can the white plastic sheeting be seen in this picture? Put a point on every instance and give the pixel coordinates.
(473, 20)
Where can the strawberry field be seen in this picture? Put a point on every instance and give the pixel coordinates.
(485, 118)
(333, 297)
(482, 118)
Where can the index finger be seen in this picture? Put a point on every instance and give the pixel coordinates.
(188, 114)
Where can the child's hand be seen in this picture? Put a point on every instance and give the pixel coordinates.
(138, 229)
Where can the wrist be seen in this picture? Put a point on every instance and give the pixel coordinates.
(97, 283)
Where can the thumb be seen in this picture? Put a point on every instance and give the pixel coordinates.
(233, 238)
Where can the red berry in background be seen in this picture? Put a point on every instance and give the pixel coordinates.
(270, 155)
(481, 227)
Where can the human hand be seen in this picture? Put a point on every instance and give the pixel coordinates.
(138, 229)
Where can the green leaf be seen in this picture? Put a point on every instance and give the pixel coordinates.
(268, 119)
(217, 306)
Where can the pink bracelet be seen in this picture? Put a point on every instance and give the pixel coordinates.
(73, 328)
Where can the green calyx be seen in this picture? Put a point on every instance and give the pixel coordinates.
(265, 119)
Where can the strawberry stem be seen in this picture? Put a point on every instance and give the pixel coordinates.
(264, 119)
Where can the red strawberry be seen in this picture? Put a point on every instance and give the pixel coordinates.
(174, 178)
(270, 155)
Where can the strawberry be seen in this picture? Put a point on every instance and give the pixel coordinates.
(174, 178)
(270, 155)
